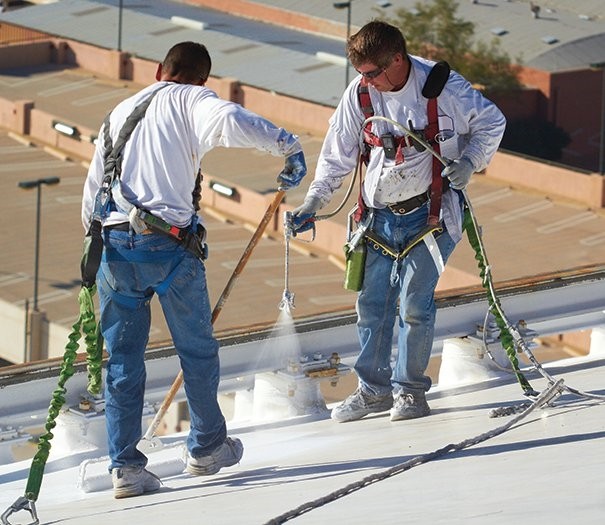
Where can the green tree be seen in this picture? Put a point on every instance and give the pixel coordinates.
(433, 30)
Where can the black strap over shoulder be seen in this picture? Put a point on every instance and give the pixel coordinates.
(194, 241)
(93, 242)
(113, 152)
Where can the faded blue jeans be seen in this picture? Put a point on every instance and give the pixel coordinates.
(416, 278)
(133, 268)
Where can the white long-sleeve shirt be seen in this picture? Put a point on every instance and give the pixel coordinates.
(470, 125)
(162, 157)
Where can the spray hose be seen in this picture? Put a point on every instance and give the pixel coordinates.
(472, 231)
(510, 336)
(86, 324)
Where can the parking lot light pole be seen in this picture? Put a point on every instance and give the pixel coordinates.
(37, 317)
(28, 185)
(120, 10)
(347, 6)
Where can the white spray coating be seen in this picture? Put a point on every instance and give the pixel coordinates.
(75, 433)
(276, 394)
(283, 345)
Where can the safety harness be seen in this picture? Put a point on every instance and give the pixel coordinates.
(393, 148)
(110, 195)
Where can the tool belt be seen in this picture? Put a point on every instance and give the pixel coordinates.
(193, 241)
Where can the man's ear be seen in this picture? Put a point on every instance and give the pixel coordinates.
(158, 73)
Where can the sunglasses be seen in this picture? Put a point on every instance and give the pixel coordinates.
(370, 75)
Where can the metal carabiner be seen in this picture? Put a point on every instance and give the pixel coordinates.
(22, 503)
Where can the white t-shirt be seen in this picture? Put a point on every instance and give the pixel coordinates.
(163, 155)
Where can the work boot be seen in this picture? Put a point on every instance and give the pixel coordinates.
(409, 406)
(360, 404)
(133, 481)
(229, 453)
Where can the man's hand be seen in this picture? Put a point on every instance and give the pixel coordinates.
(303, 217)
(459, 172)
(293, 172)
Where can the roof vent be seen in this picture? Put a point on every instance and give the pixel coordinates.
(550, 40)
(500, 31)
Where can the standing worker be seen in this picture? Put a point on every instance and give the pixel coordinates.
(401, 186)
(147, 201)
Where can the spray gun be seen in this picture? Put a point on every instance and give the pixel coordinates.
(287, 302)
(355, 237)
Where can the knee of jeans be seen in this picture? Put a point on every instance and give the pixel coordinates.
(418, 309)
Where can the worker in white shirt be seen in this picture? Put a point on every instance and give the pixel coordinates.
(153, 243)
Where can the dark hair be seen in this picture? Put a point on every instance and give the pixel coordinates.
(189, 61)
(376, 42)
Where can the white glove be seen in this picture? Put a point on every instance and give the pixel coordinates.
(459, 172)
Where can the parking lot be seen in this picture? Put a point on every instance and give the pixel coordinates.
(525, 233)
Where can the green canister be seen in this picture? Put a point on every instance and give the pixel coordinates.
(355, 265)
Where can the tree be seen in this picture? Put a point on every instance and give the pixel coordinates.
(433, 30)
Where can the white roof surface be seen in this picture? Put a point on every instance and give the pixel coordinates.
(545, 469)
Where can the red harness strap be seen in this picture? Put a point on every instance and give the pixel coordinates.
(431, 132)
(371, 140)
(366, 106)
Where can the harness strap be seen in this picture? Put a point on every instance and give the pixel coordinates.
(378, 243)
(112, 167)
(113, 152)
(436, 80)
(194, 241)
(437, 181)
(363, 93)
(369, 138)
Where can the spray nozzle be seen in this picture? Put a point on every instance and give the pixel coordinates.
(287, 301)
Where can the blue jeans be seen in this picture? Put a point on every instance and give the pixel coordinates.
(133, 268)
(412, 281)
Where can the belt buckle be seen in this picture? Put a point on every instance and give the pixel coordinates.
(398, 209)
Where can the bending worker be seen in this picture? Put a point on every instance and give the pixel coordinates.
(400, 199)
(147, 201)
